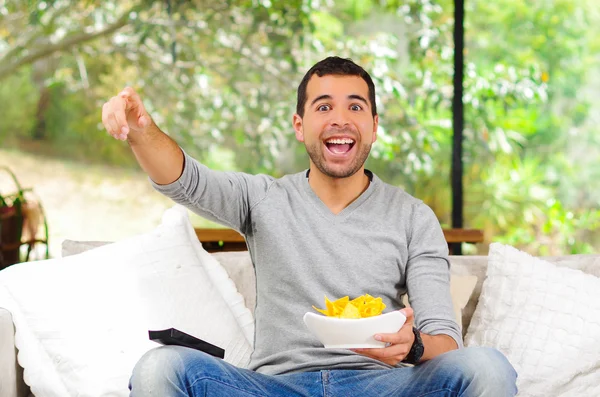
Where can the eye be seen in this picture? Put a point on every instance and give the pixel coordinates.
(323, 108)
(356, 107)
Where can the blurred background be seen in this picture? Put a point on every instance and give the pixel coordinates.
(221, 76)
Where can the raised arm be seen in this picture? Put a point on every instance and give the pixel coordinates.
(125, 118)
(224, 197)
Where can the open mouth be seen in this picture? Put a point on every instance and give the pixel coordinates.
(340, 146)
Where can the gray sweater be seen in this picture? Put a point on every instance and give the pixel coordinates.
(386, 243)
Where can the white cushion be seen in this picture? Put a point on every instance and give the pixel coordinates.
(545, 319)
(82, 322)
(240, 269)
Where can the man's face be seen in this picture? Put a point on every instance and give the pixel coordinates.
(338, 128)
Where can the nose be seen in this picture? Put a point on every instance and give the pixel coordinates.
(339, 118)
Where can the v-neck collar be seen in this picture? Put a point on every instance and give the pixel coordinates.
(343, 214)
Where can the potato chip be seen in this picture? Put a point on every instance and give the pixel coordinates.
(360, 307)
(350, 311)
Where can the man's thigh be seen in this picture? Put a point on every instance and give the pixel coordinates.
(466, 372)
(180, 372)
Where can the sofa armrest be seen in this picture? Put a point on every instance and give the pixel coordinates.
(11, 374)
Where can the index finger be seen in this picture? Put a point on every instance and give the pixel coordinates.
(402, 336)
(135, 112)
(379, 353)
(118, 106)
(132, 98)
(126, 92)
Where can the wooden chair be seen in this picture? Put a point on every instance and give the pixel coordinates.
(219, 240)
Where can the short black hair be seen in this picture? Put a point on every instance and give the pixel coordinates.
(335, 66)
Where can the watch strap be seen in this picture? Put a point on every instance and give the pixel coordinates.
(417, 349)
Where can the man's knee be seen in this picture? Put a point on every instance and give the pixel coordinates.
(484, 371)
(165, 368)
(160, 359)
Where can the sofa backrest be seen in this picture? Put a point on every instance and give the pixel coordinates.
(239, 267)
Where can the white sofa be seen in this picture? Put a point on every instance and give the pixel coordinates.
(239, 269)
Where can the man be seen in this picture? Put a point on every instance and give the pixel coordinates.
(335, 229)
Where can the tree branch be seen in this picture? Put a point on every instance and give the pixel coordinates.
(27, 40)
(65, 44)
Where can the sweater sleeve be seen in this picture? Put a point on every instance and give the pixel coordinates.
(428, 276)
(222, 197)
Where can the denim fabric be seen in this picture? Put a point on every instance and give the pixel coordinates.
(170, 371)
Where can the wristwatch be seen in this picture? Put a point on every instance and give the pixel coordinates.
(417, 349)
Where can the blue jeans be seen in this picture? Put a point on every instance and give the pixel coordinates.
(170, 371)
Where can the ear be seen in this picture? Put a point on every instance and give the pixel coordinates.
(297, 122)
(375, 125)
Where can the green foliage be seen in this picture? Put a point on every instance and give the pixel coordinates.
(220, 77)
(68, 113)
(556, 231)
(18, 97)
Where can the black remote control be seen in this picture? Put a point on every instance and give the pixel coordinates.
(174, 336)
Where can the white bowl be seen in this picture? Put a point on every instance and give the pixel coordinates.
(353, 333)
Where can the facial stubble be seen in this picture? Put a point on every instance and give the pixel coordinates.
(316, 155)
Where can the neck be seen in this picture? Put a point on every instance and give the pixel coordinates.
(338, 193)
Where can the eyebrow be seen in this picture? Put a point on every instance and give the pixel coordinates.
(351, 96)
(358, 98)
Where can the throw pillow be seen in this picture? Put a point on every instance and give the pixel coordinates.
(461, 289)
(240, 269)
(71, 247)
(545, 319)
(237, 264)
(82, 321)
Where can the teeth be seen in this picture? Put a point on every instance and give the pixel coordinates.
(340, 141)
